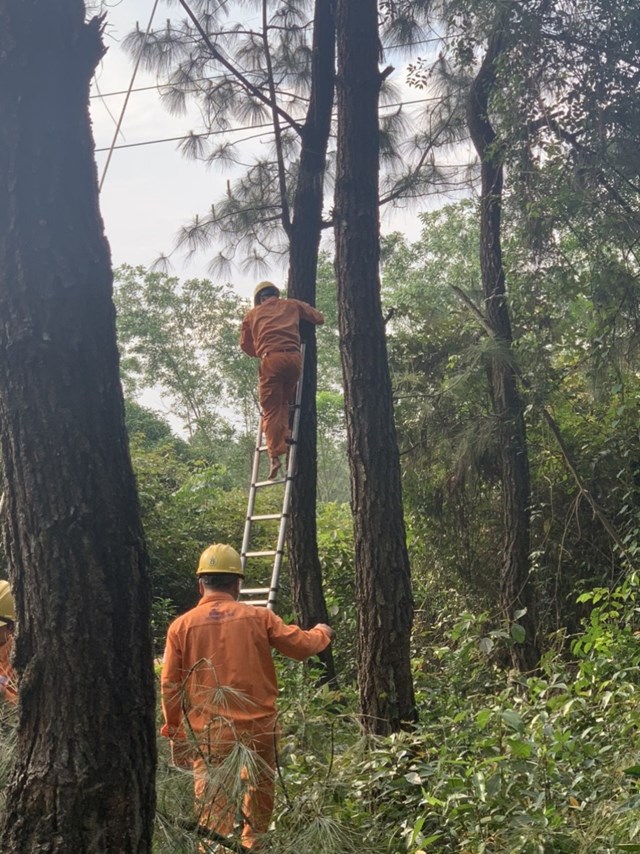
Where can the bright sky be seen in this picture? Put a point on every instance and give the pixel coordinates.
(151, 190)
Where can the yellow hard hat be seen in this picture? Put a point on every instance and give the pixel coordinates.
(262, 286)
(218, 559)
(7, 605)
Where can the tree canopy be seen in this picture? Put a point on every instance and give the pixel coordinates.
(476, 536)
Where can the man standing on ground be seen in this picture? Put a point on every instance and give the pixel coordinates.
(219, 693)
(271, 331)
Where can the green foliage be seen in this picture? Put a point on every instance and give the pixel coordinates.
(187, 502)
(181, 339)
(576, 348)
(499, 762)
(186, 505)
(503, 763)
(438, 355)
(146, 425)
(333, 470)
(335, 548)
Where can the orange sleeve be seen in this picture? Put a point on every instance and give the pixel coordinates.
(293, 641)
(247, 343)
(171, 688)
(8, 684)
(309, 313)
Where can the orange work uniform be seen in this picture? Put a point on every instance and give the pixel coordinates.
(219, 672)
(8, 686)
(271, 331)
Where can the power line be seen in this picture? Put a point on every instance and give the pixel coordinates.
(188, 136)
(209, 133)
(126, 100)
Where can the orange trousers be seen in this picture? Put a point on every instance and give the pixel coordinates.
(218, 788)
(278, 377)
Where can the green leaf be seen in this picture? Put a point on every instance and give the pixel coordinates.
(482, 718)
(486, 645)
(518, 633)
(633, 771)
(521, 749)
(512, 719)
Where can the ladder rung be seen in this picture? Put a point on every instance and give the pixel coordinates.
(257, 602)
(261, 448)
(266, 518)
(269, 553)
(254, 591)
(260, 483)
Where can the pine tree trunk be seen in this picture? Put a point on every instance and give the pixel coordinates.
(84, 776)
(516, 589)
(306, 229)
(383, 587)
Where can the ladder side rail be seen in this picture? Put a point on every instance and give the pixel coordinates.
(282, 530)
(246, 537)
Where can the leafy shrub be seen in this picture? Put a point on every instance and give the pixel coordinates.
(500, 762)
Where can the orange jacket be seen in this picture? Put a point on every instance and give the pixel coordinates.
(8, 689)
(275, 325)
(222, 644)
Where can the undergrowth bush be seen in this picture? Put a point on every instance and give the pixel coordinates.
(545, 763)
(502, 762)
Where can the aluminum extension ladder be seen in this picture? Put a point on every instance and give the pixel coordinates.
(267, 595)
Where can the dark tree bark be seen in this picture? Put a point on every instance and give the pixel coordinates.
(383, 587)
(305, 232)
(84, 776)
(516, 589)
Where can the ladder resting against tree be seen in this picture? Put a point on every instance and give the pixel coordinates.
(267, 595)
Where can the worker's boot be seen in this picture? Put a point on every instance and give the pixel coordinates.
(275, 468)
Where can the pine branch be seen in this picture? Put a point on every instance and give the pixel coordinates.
(282, 175)
(250, 88)
(212, 836)
(415, 172)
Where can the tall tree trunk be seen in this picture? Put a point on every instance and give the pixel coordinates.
(84, 775)
(516, 589)
(306, 229)
(383, 586)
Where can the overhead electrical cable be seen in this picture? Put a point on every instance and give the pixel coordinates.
(129, 90)
(188, 136)
(241, 128)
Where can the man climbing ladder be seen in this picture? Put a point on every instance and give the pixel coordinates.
(271, 332)
(250, 593)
